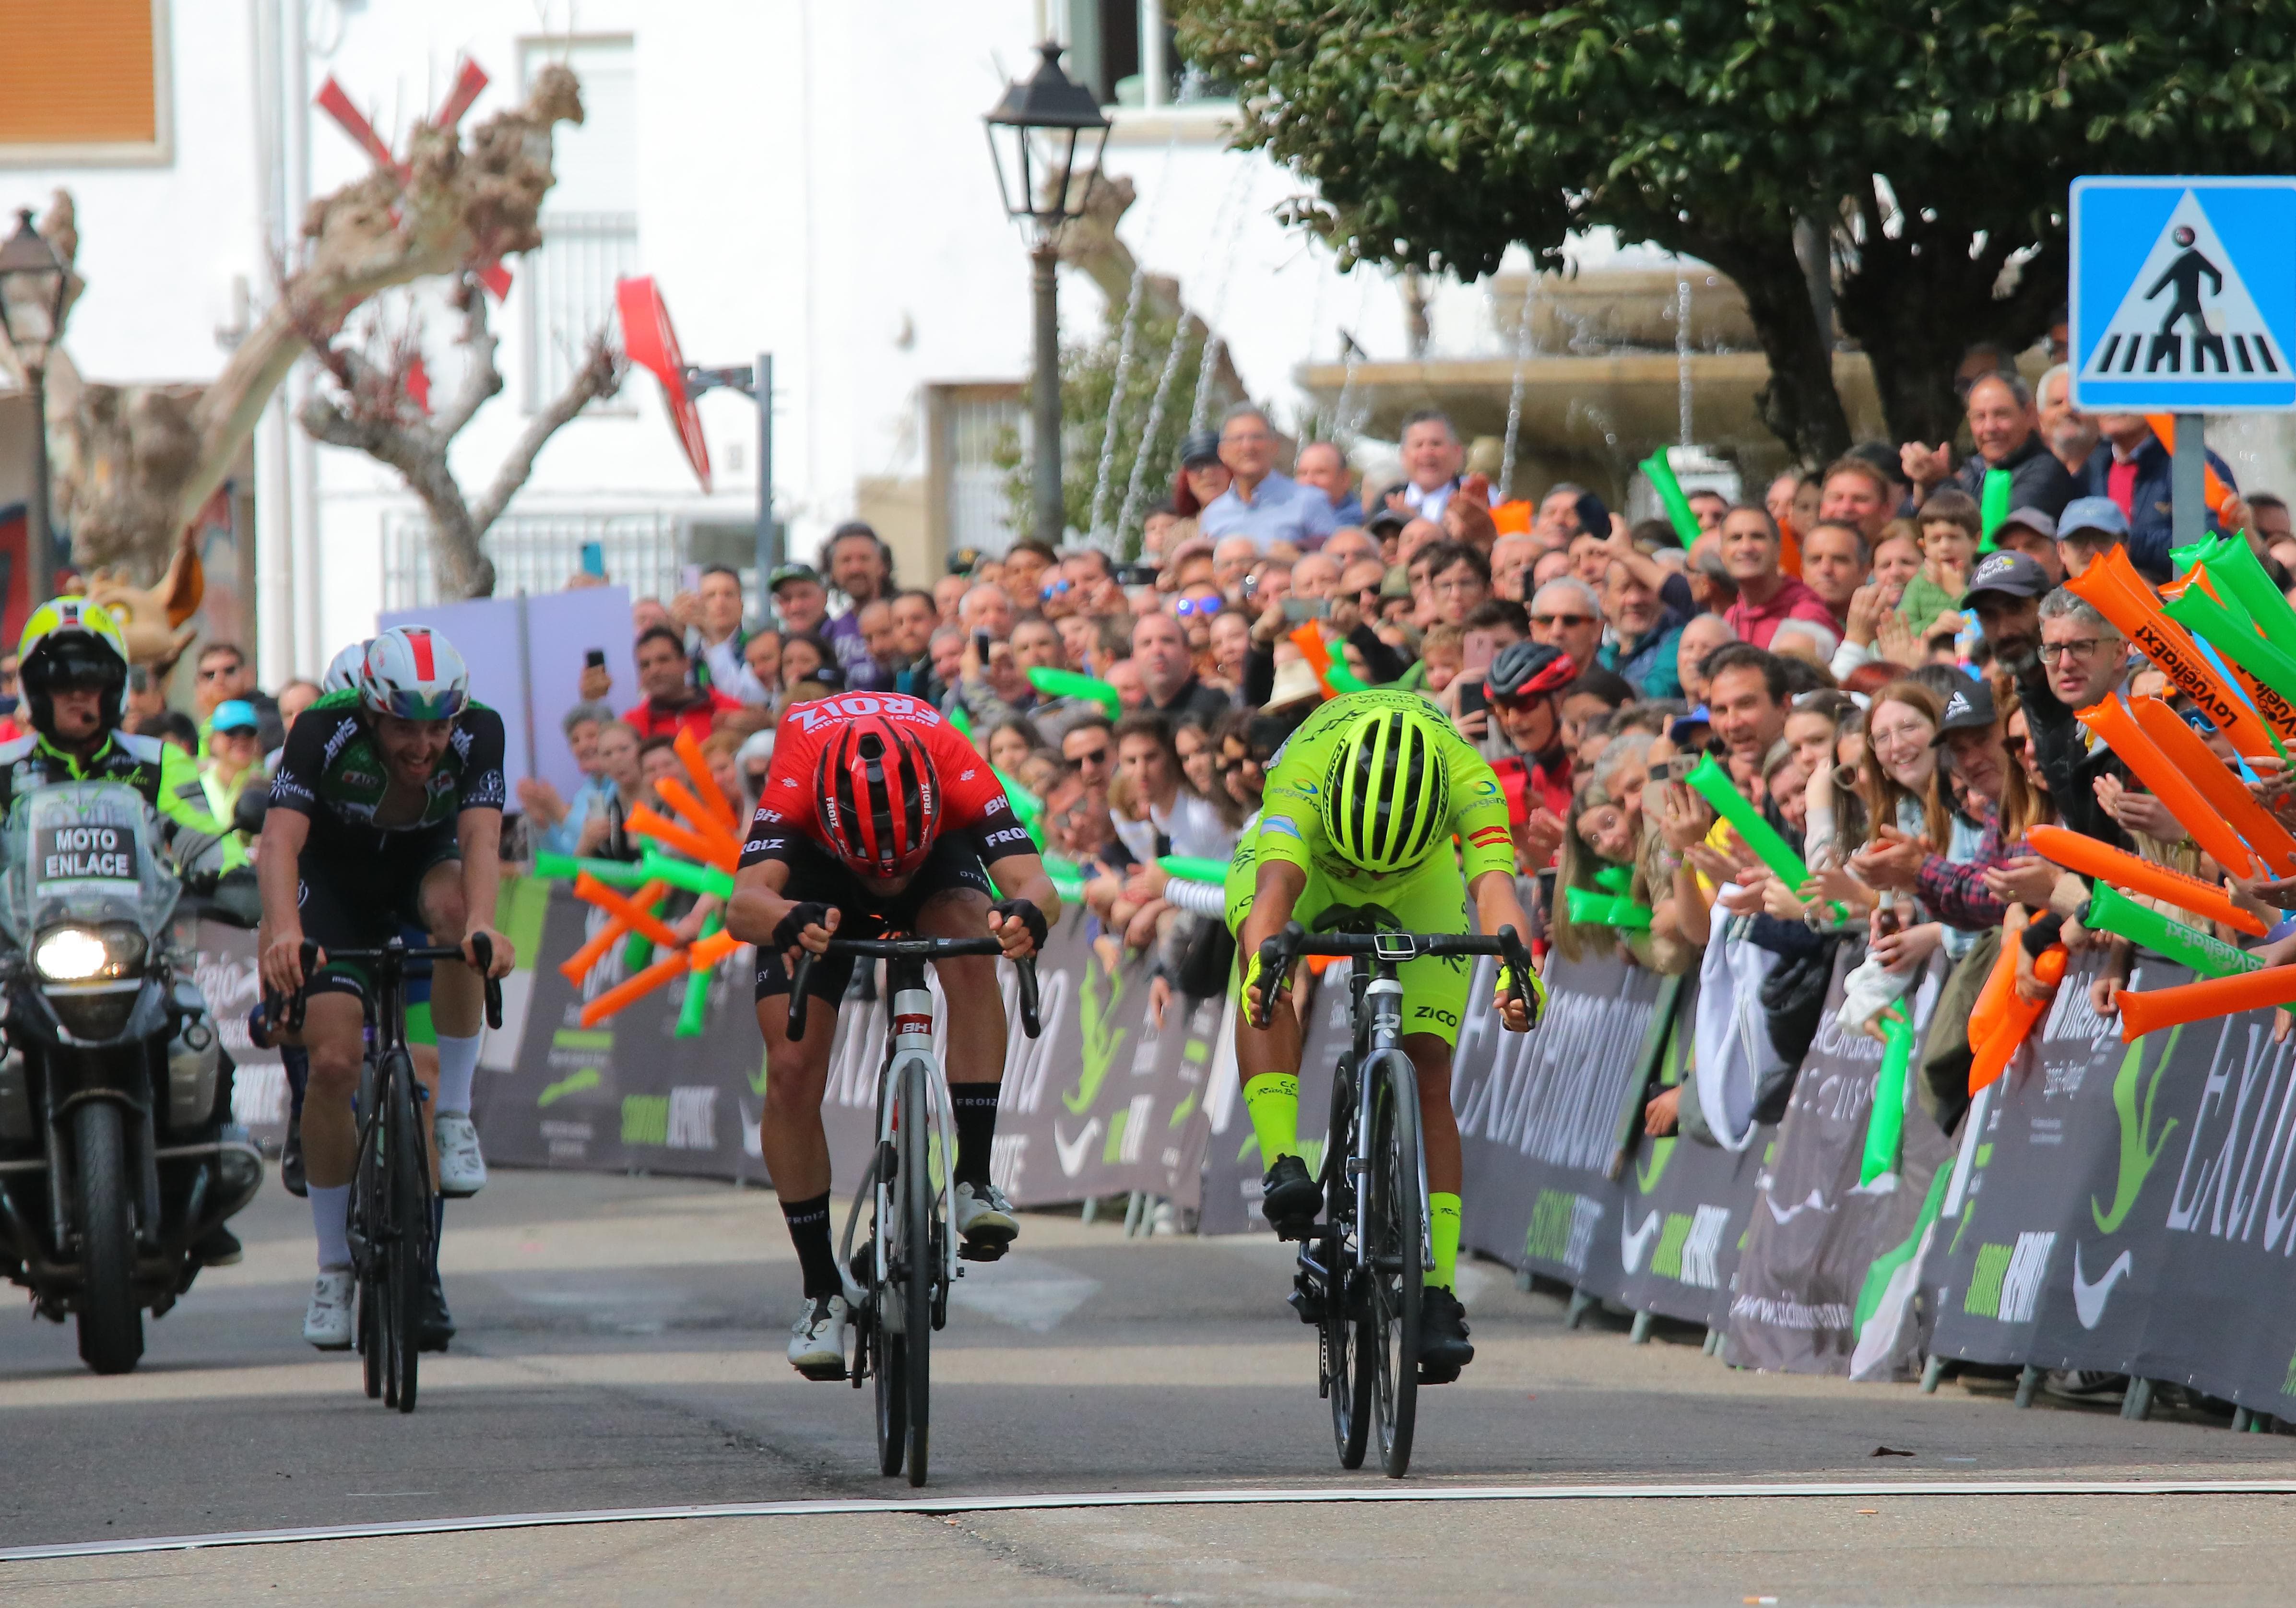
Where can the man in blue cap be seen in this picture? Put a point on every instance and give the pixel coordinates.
(234, 753)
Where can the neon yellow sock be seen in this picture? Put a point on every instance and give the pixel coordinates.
(1273, 1099)
(1443, 1236)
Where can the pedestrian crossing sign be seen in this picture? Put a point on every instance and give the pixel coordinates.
(2184, 294)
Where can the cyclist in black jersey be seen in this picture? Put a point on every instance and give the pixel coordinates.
(386, 809)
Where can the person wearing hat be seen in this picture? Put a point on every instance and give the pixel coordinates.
(235, 745)
(2133, 469)
(2065, 656)
(2034, 534)
(800, 601)
(1200, 478)
(2090, 528)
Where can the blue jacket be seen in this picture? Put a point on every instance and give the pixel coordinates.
(2151, 523)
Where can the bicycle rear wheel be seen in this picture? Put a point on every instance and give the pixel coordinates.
(1347, 1373)
(917, 1267)
(406, 1237)
(1392, 1258)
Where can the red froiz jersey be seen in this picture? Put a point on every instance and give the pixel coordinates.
(973, 800)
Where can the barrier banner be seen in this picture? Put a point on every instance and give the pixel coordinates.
(2132, 1210)
(1539, 1117)
(1826, 1257)
(1231, 1164)
(1099, 1104)
(1685, 1204)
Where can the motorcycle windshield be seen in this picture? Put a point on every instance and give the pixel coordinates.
(83, 853)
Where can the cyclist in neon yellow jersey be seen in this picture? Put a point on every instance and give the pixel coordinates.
(1356, 835)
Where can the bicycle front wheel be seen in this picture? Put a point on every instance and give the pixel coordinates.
(1346, 1366)
(364, 1217)
(919, 1265)
(1392, 1257)
(407, 1228)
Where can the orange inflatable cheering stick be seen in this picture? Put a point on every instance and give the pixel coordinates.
(2122, 869)
(2198, 764)
(2111, 720)
(2112, 587)
(2149, 1010)
(576, 966)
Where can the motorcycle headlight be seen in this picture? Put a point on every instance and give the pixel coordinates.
(70, 955)
(84, 954)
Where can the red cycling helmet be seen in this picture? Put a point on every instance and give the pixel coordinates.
(879, 799)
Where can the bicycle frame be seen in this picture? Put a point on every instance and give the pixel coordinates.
(910, 1042)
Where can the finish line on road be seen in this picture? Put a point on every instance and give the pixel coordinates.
(833, 1507)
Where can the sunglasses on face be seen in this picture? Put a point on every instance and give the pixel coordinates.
(1095, 755)
(1203, 607)
(1056, 588)
(1567, 622)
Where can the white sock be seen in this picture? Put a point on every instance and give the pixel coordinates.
(331, 1216)
(458, 1065)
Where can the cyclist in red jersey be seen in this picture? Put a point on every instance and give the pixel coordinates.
(878, 816)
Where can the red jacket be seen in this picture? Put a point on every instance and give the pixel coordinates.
(695, 714)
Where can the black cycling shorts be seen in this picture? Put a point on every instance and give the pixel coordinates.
(816, 875)
(362, 900)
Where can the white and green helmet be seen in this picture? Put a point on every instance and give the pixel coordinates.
(413, 672)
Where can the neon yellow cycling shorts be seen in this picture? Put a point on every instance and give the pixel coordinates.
(1429, 897)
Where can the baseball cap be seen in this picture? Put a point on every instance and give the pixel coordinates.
(2033, 518)
(1384, 522)
(234, 715)
(1969, 709)
(783, 574)
(2010, 574)
(1201, 447)
(2099, 513)
(1681, 726)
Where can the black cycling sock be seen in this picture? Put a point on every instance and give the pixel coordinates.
(973, 1106)
(809, 1229)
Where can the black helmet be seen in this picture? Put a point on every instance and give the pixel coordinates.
(1528, 669)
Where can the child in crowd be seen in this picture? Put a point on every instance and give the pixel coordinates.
(1949, 533)
(1443, 649)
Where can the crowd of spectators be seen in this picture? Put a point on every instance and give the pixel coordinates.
(1891, 684)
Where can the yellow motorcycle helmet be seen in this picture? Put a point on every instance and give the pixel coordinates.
(72, 642)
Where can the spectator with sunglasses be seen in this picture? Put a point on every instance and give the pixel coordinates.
(1566, 615)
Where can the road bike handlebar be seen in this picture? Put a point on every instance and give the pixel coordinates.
(910, 948)
(1277, 953)
(481, 946)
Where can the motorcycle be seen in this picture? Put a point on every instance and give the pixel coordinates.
(118, 1150)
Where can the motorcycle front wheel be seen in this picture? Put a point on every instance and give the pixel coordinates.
(110, 1322)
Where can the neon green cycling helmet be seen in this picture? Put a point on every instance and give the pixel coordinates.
(1386, 794)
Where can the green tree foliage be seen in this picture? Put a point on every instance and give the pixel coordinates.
(1088, 388)
(1935, 143)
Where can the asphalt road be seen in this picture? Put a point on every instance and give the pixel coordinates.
(621, 1347)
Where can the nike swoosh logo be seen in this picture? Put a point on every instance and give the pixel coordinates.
(1072, 1154)
(2089, 1298)
(1816, 1203)
(1631, 1246)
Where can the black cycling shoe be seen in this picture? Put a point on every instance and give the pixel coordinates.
(1290, 1197)
(218, 1247)
(434, 1326)
(1443, 1345)
(291, 1159)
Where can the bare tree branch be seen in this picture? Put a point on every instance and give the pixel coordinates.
(599, 377)
(482, 380)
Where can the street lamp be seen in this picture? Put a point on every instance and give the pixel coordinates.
(32, 287)
(1034, 134)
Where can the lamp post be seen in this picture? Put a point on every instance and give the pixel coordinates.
(32, 287)
(1034, 134)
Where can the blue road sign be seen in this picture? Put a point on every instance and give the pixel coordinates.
(2184, 294)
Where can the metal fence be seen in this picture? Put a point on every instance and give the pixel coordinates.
(537, 553)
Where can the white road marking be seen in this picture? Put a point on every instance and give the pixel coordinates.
(1247, 1497)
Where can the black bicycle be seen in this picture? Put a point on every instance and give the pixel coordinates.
(898, 1286)
(393, 1248)
(1361, 1274)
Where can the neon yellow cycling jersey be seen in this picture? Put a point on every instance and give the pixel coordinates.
(1430, 896)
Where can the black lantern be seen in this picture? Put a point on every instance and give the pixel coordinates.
(31, 291)
(1037, 134)
(33, 284)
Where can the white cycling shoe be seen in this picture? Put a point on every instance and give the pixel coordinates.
(462, 1166)
(822, 1338)
(984, 1221)
(327, 1320)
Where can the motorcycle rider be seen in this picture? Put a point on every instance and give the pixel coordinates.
(73, 669)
